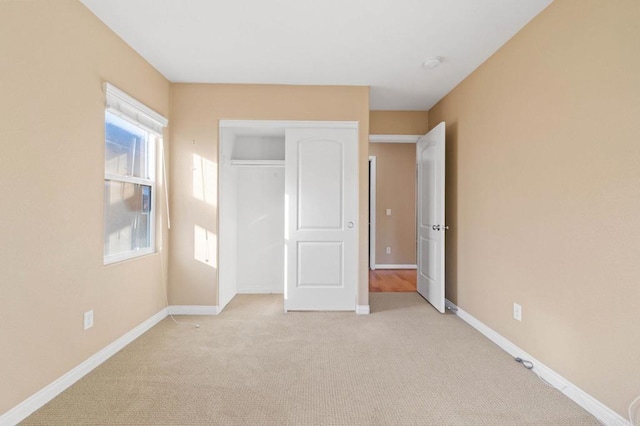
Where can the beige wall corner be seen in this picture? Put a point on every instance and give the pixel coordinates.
(396, 184)
(195, 112)
(55, 58)
(543, 193)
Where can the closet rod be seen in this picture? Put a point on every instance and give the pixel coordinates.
(260, 163)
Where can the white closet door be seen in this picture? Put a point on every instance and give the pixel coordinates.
(260, 229)
(321, 206)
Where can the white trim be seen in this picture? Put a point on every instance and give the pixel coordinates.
(193, 310)
(130, 179)
(120, 103)
(127, 255)
(257, 163)
(46, 394)
(392, 266)
(363, 309)
(270, 124)
(256, 289)
(372, 211)
(394, 138)
(600, 411)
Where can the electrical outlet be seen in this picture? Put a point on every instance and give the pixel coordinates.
(88, 319)
(388, 212)
(517, 312)
(388, 250)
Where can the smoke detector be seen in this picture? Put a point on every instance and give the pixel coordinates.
(432, 62)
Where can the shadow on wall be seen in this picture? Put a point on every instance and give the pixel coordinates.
(451, 213)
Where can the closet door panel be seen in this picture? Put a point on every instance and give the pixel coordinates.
(260, 219)
(320, 180)
(321, 196)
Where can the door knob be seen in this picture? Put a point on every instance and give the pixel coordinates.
(350, 224)
(436, 227)
(445, 228)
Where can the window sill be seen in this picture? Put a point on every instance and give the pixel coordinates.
(130, 255)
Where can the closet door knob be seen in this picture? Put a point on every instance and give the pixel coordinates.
(436, 227)
(350, 224)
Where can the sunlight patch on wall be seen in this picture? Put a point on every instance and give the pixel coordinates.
(204, 246)
(205, 182)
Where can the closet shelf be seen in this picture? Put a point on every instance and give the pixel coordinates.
(261, 163)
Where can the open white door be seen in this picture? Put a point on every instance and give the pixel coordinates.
(321, 207)
(430, 158)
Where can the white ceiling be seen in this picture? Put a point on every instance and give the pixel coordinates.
(379, 43)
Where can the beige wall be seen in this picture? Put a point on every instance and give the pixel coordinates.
(396, 184)
(54, 57)
(543, 193)
(195, 111)
(543, 189)
(398, 122)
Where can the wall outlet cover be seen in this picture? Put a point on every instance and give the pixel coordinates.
(88, 319)
(517, 312)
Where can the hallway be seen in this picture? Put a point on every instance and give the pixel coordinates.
(392, 280)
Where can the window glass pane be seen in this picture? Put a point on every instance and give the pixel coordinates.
(127, 212)
(126, 148)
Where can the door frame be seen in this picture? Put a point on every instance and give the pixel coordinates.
(372, 211)
(284, 124)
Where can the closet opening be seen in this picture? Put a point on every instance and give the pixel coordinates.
(251, 211)
(288, 210)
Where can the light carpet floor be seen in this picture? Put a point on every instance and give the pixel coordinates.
(405, 364)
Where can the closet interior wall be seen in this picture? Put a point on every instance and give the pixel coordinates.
(251, 212)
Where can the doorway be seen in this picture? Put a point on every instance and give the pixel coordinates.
(392, 280)
(392, 216)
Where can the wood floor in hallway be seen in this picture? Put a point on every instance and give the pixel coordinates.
(392, 280)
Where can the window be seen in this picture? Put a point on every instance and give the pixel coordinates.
(131, 137)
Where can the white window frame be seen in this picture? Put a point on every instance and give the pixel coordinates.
(138, 114)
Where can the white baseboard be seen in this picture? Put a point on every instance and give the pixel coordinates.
(363, 309)
(193, 310)
(600, 411)
(395, 266)
(46, 394)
